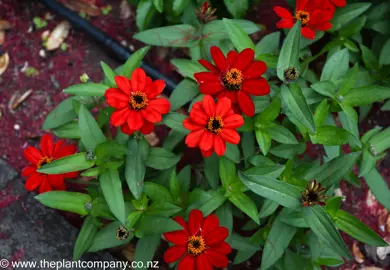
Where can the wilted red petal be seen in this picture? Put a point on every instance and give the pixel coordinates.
(174, 253)
(195, 221)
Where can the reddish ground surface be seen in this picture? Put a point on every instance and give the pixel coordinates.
(59, 69)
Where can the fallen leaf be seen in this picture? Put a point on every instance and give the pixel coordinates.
(4, 25)
(388, 224)
(86, 7)
(2, 37)
(20, 100)
(383, 213)
(152, 139)
(357, 253)
(125, 10)
(57, 36)
(4, 62)
(371, 268)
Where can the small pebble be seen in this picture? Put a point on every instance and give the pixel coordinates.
(17, 127)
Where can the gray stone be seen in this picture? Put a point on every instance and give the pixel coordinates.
(7, 173)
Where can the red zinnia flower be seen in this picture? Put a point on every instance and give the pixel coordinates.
(211, 125)
(49, 151)
(201, 243)
(235, 77)
(314, 15)
(338, 3)
(136, 103)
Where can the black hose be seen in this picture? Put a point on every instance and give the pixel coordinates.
(119, 52)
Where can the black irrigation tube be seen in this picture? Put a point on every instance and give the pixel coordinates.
(119, 52)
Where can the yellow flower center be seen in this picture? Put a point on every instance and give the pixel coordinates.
(138, 101)
(215, 124)
(303, 16)
(196, 245)
(233, 79)
(44, 161)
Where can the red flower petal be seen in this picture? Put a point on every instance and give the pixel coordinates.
(288, 24)
(151, 115)
(230, 135)
(155, 88)
(216, 236)
(209, 223)
(57, 146)
(223, 107)
(207, 153)
(223, 248)
(188, 124)
(45, 186)
(56, 180)
(232, 95)
(198, 116)
(126, 130)
(32, 154)
(219, 146)
(177, 237)
(181, 222)
(195, 221)
(206, 141)
(208, 105)
(174, 253)
(211, 88)
(135, 119)
(161, 105)
(119, 117)
(116, 99)
(46, 145)
(71, 175)
(209, 66)
(217, 259)
(233, 121)
(301, 4)
(339, 3)
(231, 57)
(283, 13)
(34, 181)
(147, 128)
(29, 170)
(244, 59)
(308, 32)
(256, 87)
(188, 262)
(203, 77)
(123, 84)
(65, 151)
(138, 80)
(202, 262)
(246, 104)
(319, 17)
(323, 27)
(255, 69)
(218, 57)
(192, 139)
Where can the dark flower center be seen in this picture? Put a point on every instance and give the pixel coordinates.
(312, 197)
(303, 16)
(215, 124)
(233, 79)
(122, 233)
(43, 161)
(138, 101)
(291, 74)
(196, 245)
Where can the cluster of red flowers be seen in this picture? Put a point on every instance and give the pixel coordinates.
(315, 15)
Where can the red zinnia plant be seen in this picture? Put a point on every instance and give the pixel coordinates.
(200, 245)
(49, 151)
(236, 76)
(212, 125)
(314, 15)
(136, 103)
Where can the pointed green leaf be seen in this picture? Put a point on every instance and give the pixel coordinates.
(347, 14)
(185, 91)
(85, 237)
(281, 134)
(135, 169)
(134, 61)
(90, 133)
(237, 35)
(245, 204)
(87, 89)
(109, 74)
(161, 159)
(72, 163)
(336, 66)
(379, 187)
(365, 95)
(145, 250)
(106, 238)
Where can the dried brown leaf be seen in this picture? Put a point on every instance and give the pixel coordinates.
(4, 62)
(152, 139)
(87, 7)
(2, 37)
(357, 253)
(371, 268)
(4, 25)
(125, 10)
(21, 99)
(58, 35)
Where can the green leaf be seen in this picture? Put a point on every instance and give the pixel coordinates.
(135, 169)
(181, 35)
(281, 134)
(380, 142)
(87, 89)
(331, 135)
(269, 114)
(145, 250)
(289, 54)
(280, 192)
(273, 171)
(353, 28)
(85, 237)
(109, 74)
(68, 131)
(347, 14)
(268, 208)
(175, 120)
(187, 68)
(174, 187)
(225, 216)
(293, 218)
(216, 200)
(357, 229)
(64, 200)
(110, 149)
(296, 104)
(268, 44)
(288, 151)
(166, 209)
(336, 66)
(263, 139)
(237, 35)
(92, 172)
(179, 6)
(111, 186)
(173, 139)
(106, 238)
(159, 4)
(236, 7)
(132, 219)
(134, 61)
(216, 31)
(321, 112)
(278, 240)
(371, 133)
(379, 187)
(369, 58)
(161, 225)
(211, 170)
(145, 13)
(185, 91)
(365, 95)
(232, 152)
(245, 204)
(384, 57)
(227, 172)
(325, 88)
(72, 163)
(90, 133)
(161, 159)
(157, 192)
(101, 209)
